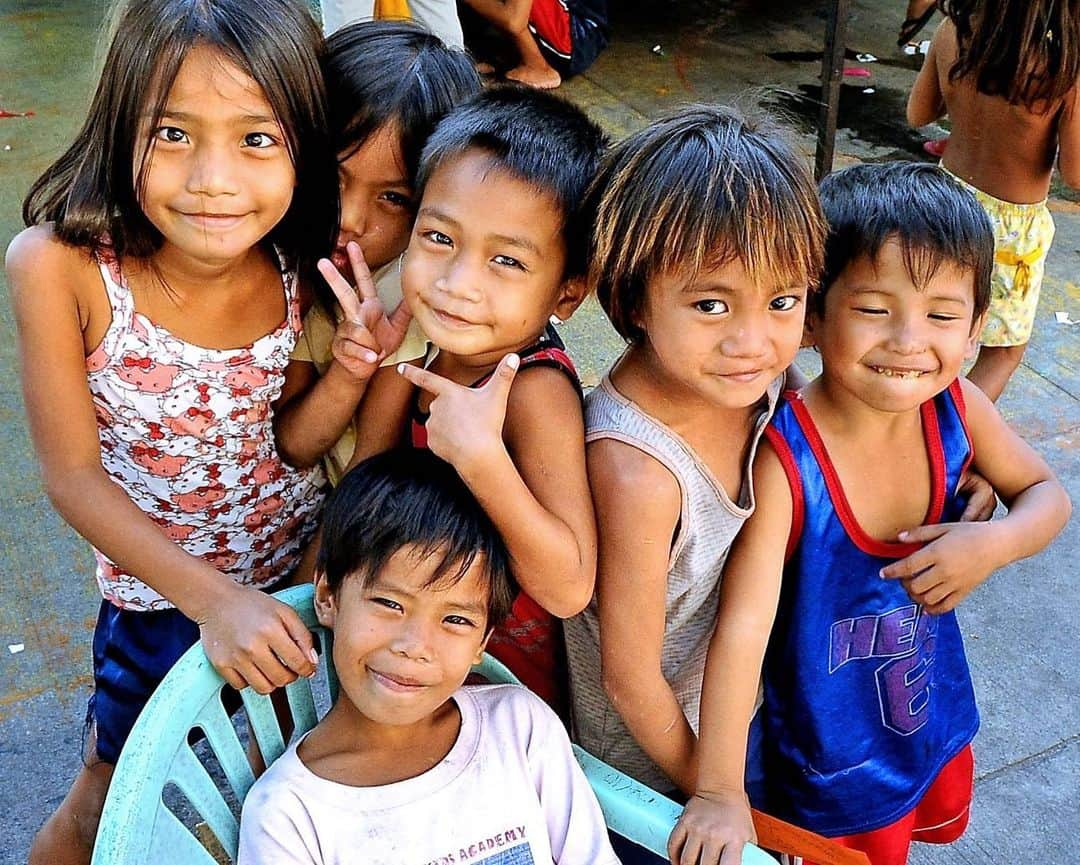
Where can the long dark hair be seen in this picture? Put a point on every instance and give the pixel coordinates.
(1026, 51)
(92, 192)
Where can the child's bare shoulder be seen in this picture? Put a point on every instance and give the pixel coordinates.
(543, 395)
(39, 263)
(622, 472)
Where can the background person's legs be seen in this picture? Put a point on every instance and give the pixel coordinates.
(995, 366)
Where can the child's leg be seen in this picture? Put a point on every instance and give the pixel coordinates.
(995, 366)
(67, 838)
(512, 17)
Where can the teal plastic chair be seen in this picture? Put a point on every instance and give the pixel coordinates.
(166, 782)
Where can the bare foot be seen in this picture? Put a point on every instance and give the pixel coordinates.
(540, 77)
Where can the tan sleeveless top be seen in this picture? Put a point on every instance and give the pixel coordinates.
(708, 523)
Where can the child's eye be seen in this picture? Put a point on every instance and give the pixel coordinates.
(508, 261)
(460, 621)
(711, 307)
(871, 310)
(171, 134)
(943, 316)
(785, 303)
(259, 140)
(386, 602)
(437, 237)
(397, 199)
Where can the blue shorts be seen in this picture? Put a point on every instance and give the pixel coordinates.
(133, 650)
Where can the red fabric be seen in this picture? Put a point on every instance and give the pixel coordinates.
(550, 20)
(529, 642)
(940, 817)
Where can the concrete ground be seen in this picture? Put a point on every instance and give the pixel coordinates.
(1027, 795)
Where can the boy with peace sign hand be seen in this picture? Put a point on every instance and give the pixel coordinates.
(497, 250)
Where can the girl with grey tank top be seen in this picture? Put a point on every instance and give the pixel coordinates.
(708, 236)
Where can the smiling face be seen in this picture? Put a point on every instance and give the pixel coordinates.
(401, 647)
(376, 201)
(889, 343)
(218, 173)
(484, 269)
(718, 337)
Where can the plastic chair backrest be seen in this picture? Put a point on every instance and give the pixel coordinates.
(165, 761)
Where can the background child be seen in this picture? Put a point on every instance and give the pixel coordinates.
(497, 249)
(708, 233)
(553, 39)
(157, 306)
(410, 577)
(388, 84)
(1005, 71)
(869, 708)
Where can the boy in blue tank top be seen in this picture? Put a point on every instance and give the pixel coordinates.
(868, 709)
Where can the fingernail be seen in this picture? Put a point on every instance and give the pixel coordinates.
(513, 361)
(881, 574)
(902, 536)
(371, 357)
(401, 369)
(314, 657)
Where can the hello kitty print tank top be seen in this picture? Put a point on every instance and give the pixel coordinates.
(186, 432)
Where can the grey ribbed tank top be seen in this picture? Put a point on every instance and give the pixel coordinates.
(708, 523)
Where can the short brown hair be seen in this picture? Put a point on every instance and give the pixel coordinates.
(697, 189)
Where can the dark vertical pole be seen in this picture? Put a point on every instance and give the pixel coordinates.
(832, 74)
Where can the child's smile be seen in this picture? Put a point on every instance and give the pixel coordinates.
(218, 174)
(401, 646)
(483, 271)
(888, 342)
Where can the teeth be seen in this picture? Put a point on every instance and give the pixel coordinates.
(897, 373)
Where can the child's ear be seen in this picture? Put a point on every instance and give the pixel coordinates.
(571, 293)
(809, 339)
(973, 337)
(325, 605)
(483, 647)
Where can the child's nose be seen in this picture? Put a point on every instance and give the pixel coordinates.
(354, 216)
(749, 336)
(413, 641)
(459, 280)
(212, 172)
(908, 335)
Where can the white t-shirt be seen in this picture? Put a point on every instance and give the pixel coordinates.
(509, 792)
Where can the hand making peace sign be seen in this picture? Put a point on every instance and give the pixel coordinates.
(366, 335)
(465, 424)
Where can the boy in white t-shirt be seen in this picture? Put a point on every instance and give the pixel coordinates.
(408, 767)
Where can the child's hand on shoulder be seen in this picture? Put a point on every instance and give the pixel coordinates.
(366, 335)
(713, 828)
(957, 558)
(254, 639)
(465, 424)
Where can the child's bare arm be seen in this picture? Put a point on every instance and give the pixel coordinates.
(959, 556)
(926, 102)
(249, 637)
(638, 506)
(521, 453)
(308, 421)
(1069, 139)
(716, 823)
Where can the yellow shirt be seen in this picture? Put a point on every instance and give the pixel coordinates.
(314, 347)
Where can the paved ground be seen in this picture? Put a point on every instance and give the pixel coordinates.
(1019, 626)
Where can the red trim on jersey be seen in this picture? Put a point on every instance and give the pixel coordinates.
(869, 545)
(791, 470)
(957, 393)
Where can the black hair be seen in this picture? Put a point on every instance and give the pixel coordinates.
(378, 72)
(933, 218)
(410, 497)
(541, 139)
(91, 192)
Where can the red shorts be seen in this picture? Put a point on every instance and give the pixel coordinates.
(940, 817)
(550, 21)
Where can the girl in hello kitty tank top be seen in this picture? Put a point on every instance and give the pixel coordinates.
(156, 295)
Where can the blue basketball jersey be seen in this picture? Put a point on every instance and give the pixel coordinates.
(867, 696)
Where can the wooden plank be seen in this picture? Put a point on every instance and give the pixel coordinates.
(832, 75)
